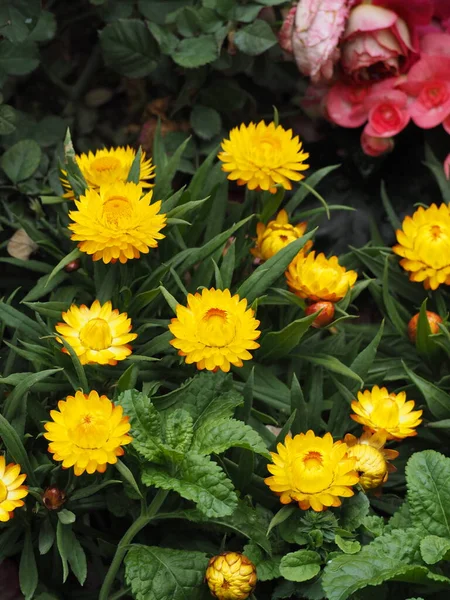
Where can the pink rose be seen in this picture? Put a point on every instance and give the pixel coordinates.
(388, 110)
(376, 43)
(447, 167)
(376, 146)
(317, 29)
(287, 30)
(346, 105)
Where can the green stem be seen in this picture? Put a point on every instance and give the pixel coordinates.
(121, 593)
(143, 520)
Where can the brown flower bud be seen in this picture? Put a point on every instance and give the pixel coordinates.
(74, 265)
(326, 315)
(433, 322)
(53, 498)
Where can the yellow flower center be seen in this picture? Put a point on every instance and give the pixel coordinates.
(310, 473)
(90, 432)
(432, 245)
(215, 329)
(3, 491)
(269, 144)
(386, 414)
(106, 163)
(96, 335)
(117, 210)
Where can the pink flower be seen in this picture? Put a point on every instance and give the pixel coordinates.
(346, 104)
(388, 110)
(447, 167)
(287, 30)
(375, 146)
(376, 42)
(317, 29)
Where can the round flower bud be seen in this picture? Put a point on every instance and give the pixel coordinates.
(326, 315)
(433, 322)
(231, 576)
(53, 498)
(74, 265)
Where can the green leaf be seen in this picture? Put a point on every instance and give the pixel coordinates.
(264, 276)
(7, 119)
(284, 513)
(312, 181)
(332, 364)
(21, 160)
(167, 40)
(128, 477)
(434, 548)
(278, 344)
(46, 536)
(205, 121)
(28, 573)
(158, 10)
(134, 174)
(156, 573)
(389, 302)
(66, 516)
(196, 52)
(129, 48)
(354, 511)
(18, 59)
(179, 430)
(267, 567)
(347, 546)
(301, 565)
(12, 317)
(71, 553)
(145, 422)
(16, 450)
(216, 437)
(366, 357)
(198, 479)
(14, 398)
(425, 344)
(255, 38)
(428, 482)
(437, 400)
(90, 490)
(165, 175)
(392, 216)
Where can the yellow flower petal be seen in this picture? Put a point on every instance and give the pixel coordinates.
(11, 489)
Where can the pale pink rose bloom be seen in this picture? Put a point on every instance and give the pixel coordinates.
(287, 30)
(376, 42)
(376, 146)
(447, 167)
(317, 29)
(346, 105)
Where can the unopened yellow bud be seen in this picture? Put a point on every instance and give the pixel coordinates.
(231, 576)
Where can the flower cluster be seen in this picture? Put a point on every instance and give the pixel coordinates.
(380, 64)
(114, 220)
(317, 472)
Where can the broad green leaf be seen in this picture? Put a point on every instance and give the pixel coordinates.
(255, 38)
(146, 426)
(156, 573)
(301, 565)
(265, 275)
(196, 52)
(7, 119)
(179, 430)
(216, 437)
(284, 513)
(198, 479)
(267, 567)
(71, 553)
(347, 546)
(354, 511)
(434, 548)
(279, 344)
(46, 536)
(166, 39)
(158, 10)
(129, 48)
(28, 573)
(21, 160)
(428, 481)
(205, 121)
(18, 59)
(437, 399)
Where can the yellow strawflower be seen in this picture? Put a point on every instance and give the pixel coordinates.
(98, 334)
(11, 489)
(319, 278)
(380, 410)
(107, 166)
(117, 222)
(277, 234)
(215, 330)
(261, 156)
(87, 432)
(424, 244)
(231, 576)
(371, 458)
(312, 471)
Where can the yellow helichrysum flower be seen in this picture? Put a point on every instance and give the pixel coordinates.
(312, 471)
(117, 222)
(215, 330)
(231, 576)
(11, 489)
(107, 166)
(87, 432)
(319, 278)
(260, 156)
(379, 410)
(98, 334)
(277, 234)
(424, 244)
(371, 458)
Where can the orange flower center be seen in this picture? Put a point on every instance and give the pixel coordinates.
(117, 209)
(216, 314)
(269, 144)
(216, 329)
(310, 473)
(96, 335)
(106, 163)
(3, 491)
(313, 460)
